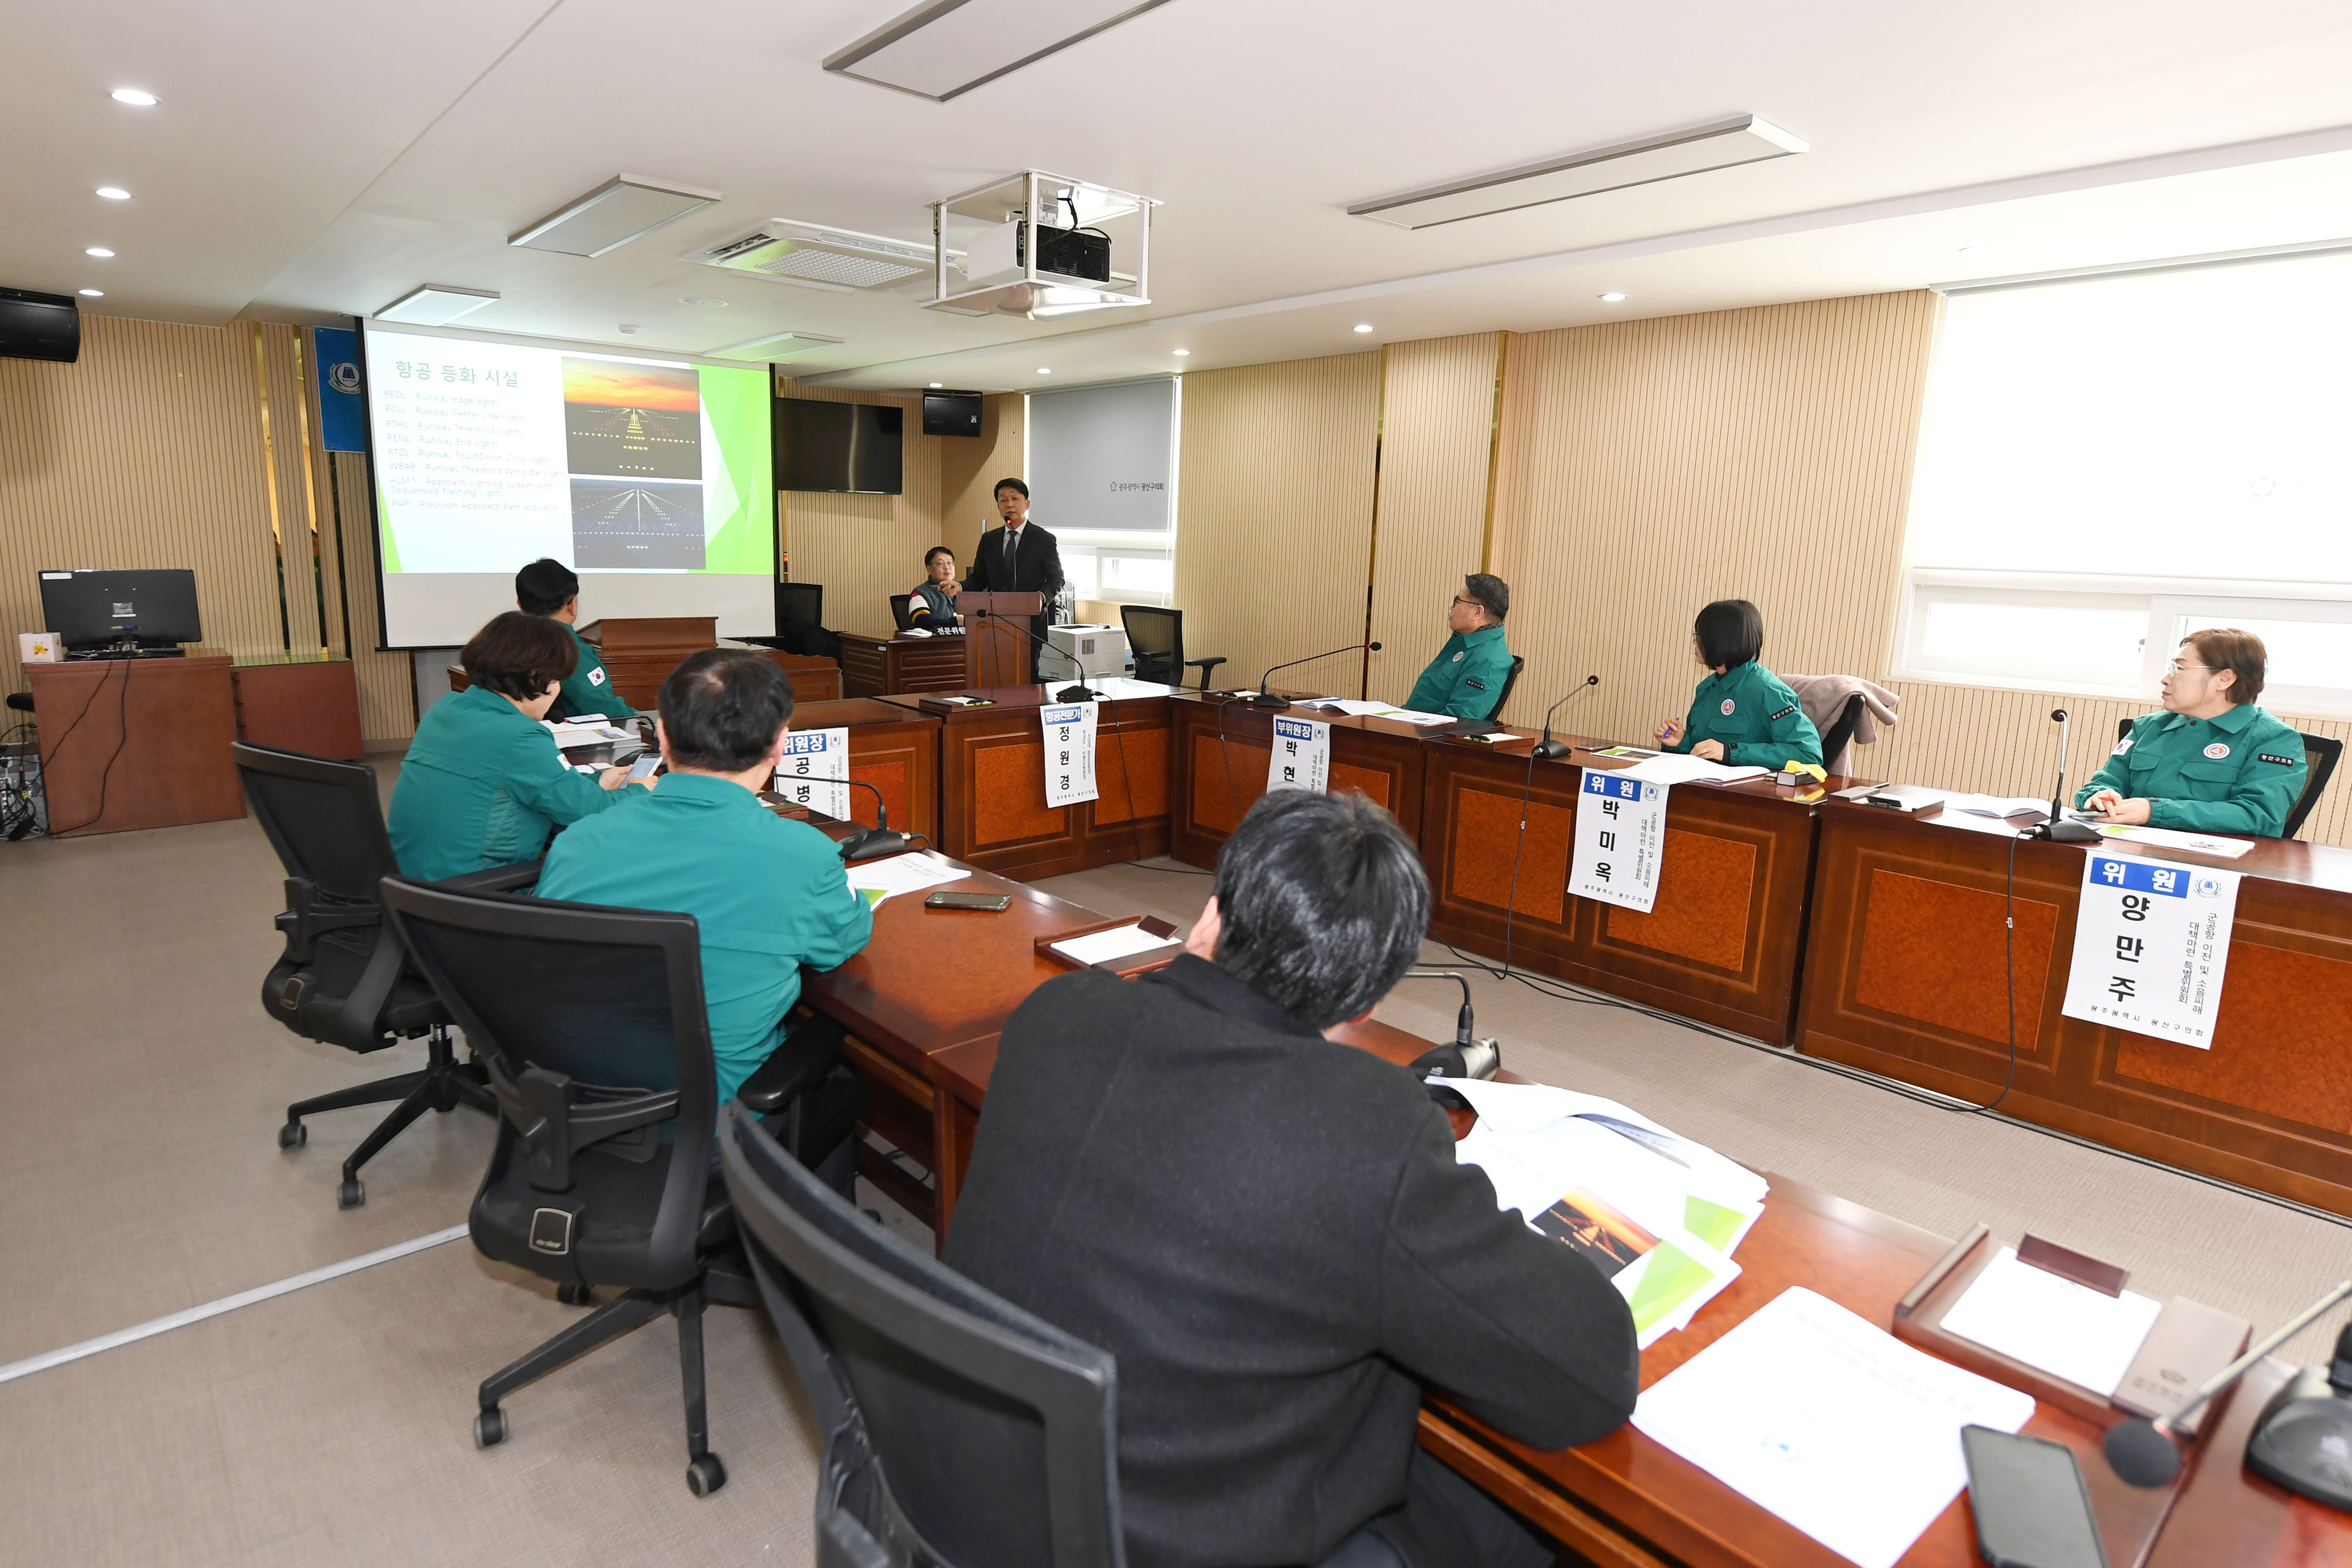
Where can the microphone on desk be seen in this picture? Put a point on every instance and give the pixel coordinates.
(1548, 747)
(874, 842)
(1466, 1057)
(2144, 1453)
(1073, 694)
(2058, 830)
(1267, 699)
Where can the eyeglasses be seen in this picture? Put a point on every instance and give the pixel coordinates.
(1470, 602)
(2180, 667)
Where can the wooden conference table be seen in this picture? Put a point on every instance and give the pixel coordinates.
(925, 1003)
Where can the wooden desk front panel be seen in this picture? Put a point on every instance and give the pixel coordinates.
(1722, 944)
(1222, 751)
(893, 748)
(879, 667)
(311, 706)
(992, 777)
(145, 739)
(1907, 976)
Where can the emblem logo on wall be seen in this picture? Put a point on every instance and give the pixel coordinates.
(345, 377)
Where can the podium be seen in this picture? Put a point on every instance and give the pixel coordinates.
(997, 627)
(137, 743)
(640, 652)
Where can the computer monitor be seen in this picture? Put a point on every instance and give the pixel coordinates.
(88, 609)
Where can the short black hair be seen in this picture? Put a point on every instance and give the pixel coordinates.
(1489, 591)
(1004, 485)
(516, 655)
(545, 586)
(1323, 904)
(934, 552)
(721, 709)
(1730, 633)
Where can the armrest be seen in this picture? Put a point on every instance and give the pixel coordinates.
(1205, 666)
(496, 878)
(799, 1065)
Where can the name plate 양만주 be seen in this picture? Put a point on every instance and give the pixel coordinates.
(2151, 946)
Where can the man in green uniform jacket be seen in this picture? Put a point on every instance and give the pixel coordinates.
(483, 784)
(768, 894)
(1467, 678)
(1743, 716)
(552, 589)
(2211, 762)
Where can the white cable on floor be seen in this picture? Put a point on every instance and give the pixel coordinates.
(148, 1330)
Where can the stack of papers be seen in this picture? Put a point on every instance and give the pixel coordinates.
(1658, 1214)
(2167, 838)
(875, 881)
(2067, 1329)
(1103, 946)
(1674, 767)
(2002, 806)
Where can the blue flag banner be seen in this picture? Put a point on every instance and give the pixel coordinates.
(343, 417)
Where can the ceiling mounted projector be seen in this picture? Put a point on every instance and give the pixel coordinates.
(815, 257)
(1742, 138)
(436, 304)
(1039, 245)
(623, 208)
(944, 48)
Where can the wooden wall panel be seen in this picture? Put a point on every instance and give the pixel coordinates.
(969, 470)
(1275, 514)
(1437, 436)
(864, 549)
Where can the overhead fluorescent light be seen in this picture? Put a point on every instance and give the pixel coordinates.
(436, 304)
(1743, 139)
(621, 209)
(945, 48)
(772, 346)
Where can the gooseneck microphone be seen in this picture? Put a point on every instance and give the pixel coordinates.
(2143, 1452)
(1074, 693)
(1269, 700)
(1467, 1057)
(874, 842)
(2058, 830)
(1548, 747)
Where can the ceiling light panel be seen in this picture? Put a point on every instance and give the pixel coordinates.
(819, 258)
(436, 304)
(621, 209)
(775, 346)
(1743, 139)
(947, 48)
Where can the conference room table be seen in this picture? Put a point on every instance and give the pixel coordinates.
(924, 1007)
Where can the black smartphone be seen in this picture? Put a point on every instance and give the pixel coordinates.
(989, 901)
(2031, 1506)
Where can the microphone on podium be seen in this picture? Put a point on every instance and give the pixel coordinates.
(1548, 747)
(2058, 830)
(1268, 699)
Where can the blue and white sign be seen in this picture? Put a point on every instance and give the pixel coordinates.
(814, 771)
(2151, 945)
(342, 412)
(1621, 838)
(1069, 733)
(1302, 755)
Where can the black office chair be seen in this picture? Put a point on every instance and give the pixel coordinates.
(1156, 637)
(1839, 734)
(343, 979)
(900, 615)
(591, 1023)
(801, 602)
(1518, 662)
(2321, 753)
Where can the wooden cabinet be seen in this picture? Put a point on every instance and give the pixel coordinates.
(306, 705)
(136, 743)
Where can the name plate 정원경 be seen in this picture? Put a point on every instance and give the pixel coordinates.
(1069, 732)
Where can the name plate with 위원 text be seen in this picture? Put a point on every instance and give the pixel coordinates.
(1069, 732)
(814, 771)
(1621, 837)
(2151, 946)
(1302, 755)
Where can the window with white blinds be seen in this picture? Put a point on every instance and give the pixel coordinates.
(1102, 472)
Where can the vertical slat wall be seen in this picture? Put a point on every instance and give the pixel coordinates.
(387, 681)
(1437, 430)
(288, 431)
(145, 454)
(864, 549)
(1275, 514)
(969, 467)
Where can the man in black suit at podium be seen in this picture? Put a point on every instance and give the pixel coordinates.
(1019, 557)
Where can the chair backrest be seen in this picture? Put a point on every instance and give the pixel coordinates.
(995, 1434)
(324, 818)
(899, 615)
(2124, 728)
(2321, 754)
(1156, 637)
(1518, 662)
(591, 1023)
(1839, 736)
(802, 601)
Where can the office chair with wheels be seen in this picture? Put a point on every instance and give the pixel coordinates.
(343, 979)
(2321, 753)
(591, 1024)
(1839, 734)
(900, 616)
(1156, 637)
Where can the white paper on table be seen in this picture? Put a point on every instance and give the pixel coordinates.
(1102, 947)
(1999, 807)
(1117, 686)
(1406, 716)
(1351, 706)
(2171, 839)
(2067, 1329)
(1679, 767)
(880, 879)
(1829, 1423)
(1528, 1107)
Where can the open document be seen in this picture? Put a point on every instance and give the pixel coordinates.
(877, 879)
(1674, 767)
(1829, 1422)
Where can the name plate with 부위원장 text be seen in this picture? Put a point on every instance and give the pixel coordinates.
(2151, 945)
(1301, 757)
(1620, 836)
(814, 771)
(1069, 731)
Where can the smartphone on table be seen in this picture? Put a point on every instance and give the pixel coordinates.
(2031, 1506)
(992, 902)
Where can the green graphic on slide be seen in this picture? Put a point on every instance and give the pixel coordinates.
(738, 489)
(383, 530)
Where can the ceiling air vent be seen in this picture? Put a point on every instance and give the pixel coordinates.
(817, 257)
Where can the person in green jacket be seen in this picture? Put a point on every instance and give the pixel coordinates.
(552, 589)
(1743, 715)
(2211, 762)
(483, 784)
(1467, 678)
(770, 895)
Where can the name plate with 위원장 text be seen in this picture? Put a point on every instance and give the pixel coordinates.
(1302, 755)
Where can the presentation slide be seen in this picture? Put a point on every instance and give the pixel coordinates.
(650, 477)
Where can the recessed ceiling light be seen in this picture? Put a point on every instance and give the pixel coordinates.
(100, 251)
(94, 293)
(1363, 326)
(132, 96)
(1612, 297)
(629, 328)
(703, 299)
(1043, 372)
(1180, 353)
(939, 383)
(437, 303)
(621, 209)
(114, 192)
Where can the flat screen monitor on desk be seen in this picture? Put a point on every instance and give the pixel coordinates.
(155, 611)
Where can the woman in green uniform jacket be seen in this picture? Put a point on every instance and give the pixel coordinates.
(552, 589)
(483, 784)
(1744, 715)
(2211, 762)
